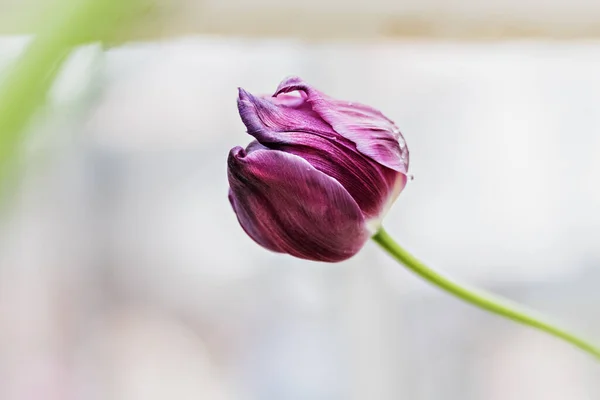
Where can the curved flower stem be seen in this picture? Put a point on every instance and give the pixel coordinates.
(480, 298)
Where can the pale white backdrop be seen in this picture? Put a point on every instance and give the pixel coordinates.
(124, 273)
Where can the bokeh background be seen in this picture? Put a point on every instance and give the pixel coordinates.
(125, 275)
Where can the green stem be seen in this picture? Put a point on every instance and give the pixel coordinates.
(480, 298)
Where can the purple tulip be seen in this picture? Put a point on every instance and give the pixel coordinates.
(320, 175)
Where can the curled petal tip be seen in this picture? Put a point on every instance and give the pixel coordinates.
(237, 152)
(291, 84)
(248, 106)
(293, 78)
(243, 94)
(290, 80)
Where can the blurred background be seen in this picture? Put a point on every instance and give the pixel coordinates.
(125, 275)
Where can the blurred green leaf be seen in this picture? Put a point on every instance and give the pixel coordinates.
(25, 84)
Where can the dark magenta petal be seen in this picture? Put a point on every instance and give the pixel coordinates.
(375, 135)
(288, 206)
(369, 183)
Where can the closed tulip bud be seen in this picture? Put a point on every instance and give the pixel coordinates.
(320, 175)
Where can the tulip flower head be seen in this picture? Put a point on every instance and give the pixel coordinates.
(319, 176)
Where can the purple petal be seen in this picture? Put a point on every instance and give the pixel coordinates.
(288, 206)
(271, 120)
(369, 183)
(375, 135)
